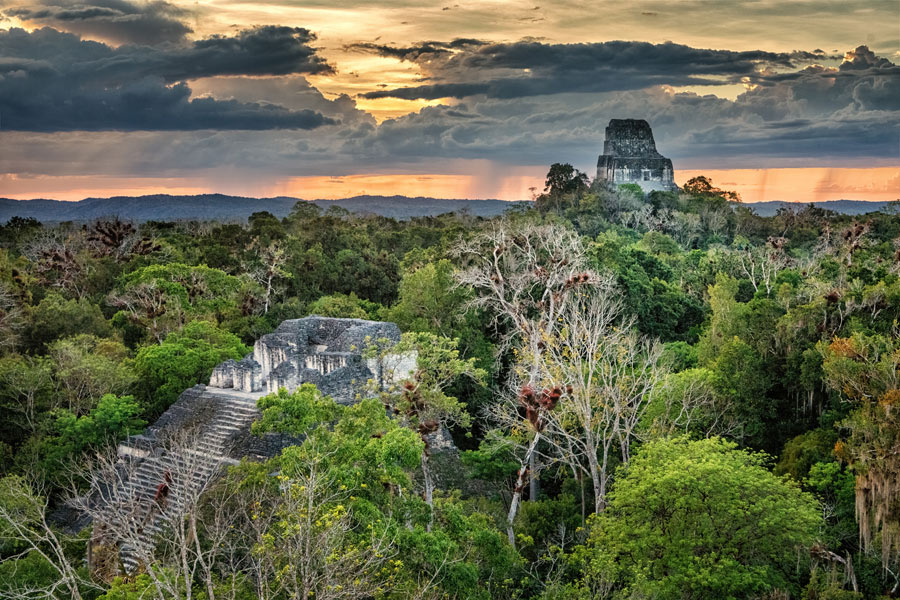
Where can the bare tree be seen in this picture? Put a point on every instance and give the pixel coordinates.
(24, 526)
(170, 515)
(151, 307)
(11, 318)
(30, 379)
(523, 275)
(108, 238)
(761, 264)
(602, 373)
(268, 269)
(56, 260)
(692, 406)
(715, 220)
(146, 514)
(309, 546)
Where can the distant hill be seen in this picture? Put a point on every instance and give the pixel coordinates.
(847, 207)
(219, 207)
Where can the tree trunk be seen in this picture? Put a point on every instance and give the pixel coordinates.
(520, 485)
(429, 490)
(598, 480)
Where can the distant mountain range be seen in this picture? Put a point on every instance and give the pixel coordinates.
(847, 207)
(219, 207)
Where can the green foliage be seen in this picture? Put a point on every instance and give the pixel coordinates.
(113, 419)
(678, 356)
(161, 298)
(295, 413)
(700, 519)
(31, 571)
(87, 367)
(865, 370)
(184, 359)
(430, 300)
(344, 306)
(661, 308)
(547, 524)
(562, 180)
(632, 188)
(804, 451)
(26, 394)
(423, 396)
(56, 317)
(740, 376)
(136, 588)
(702, 186)
(493, 460)
(787, 345)
(199, 289)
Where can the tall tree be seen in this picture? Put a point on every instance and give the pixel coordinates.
(420, 399)
(699, 519)
(522, 277)
(866, 371)
(602, 374)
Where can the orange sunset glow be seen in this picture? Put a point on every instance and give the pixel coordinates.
(754, 185)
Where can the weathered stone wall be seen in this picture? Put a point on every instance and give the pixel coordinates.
(630, 156)
(324, 351)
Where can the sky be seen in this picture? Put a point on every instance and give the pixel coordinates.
(795, 100)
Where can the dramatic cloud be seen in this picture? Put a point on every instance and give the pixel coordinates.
(254, 110)
(291, 92)
(464, 68)
(118, 21)
(787, 115)
(53, 81)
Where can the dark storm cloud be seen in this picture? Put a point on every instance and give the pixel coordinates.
(863, 82)
(848, 112)
(119, 21)
(54, 81)
(420, 51)
(529, 68)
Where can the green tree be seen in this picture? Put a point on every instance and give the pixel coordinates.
(34, 555)
(114, 418)
(56, 317)
(161, 298)
(27, 394)
(72, 437)
(297, 412)
(183, 359)
(344, 306)
(741, 380)
(563, 183)
(87, 367)
(865, 370)
(421, 401)
(699, 519)
(703, 186)
(563, 178)
(430, 300)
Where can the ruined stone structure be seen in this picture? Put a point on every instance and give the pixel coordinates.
(326, 352)
(630, 156)
(211, 423)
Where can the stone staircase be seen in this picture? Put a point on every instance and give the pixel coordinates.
(212, 426)
(193, 468)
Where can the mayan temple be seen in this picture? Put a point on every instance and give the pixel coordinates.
(630, 156)
(208, 428)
